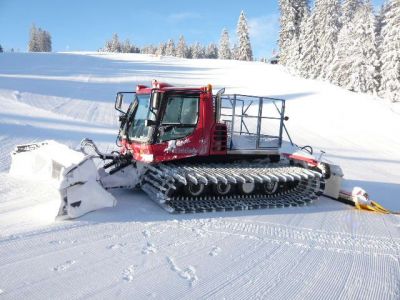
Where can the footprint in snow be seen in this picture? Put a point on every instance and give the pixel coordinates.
(127, 274)
(60, 242)
(188, 273)
(152, 295)
(116, 246)
(109, 236)
(57, 242)
(149, 248)
(64, 266)
(214, 251)
(146, 233)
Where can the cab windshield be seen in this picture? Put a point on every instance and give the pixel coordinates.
(140, 112)
(180, 117)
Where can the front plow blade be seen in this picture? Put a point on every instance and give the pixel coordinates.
(84, 197)
(71, 172)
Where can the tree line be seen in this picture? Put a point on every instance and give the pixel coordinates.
(240, 51)
(344, 43)
(39, 40)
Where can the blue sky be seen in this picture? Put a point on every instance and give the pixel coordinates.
(85, 25)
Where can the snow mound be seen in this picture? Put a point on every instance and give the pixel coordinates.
(71, 172)
(44, 160)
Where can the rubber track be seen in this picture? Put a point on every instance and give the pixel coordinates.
(162, 181)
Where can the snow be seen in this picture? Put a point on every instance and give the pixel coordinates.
(137, 250)
(44, 162)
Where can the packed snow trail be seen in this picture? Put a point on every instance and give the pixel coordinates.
(273, 254)
(137, 250)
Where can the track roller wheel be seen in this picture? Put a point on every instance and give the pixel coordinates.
(194, 190)
(222, 189)
(270, 187)
(247, 188)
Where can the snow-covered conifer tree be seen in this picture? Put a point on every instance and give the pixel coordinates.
(170, 49)
(189, 52)
(115, 45)
(293, 13)
(244, 48)
(224, 51)
(390, 52)
(235, 52)
(212, 51)
(356, 63)
(287, 29)
(33, 40)
(161, 49)
(181, 49)
(1, 49)
(46, 41)
(309, 47)
(149, 49)
(203, 51)
(39, 40)
(302, 8)
(327, 26)
(363, 51)
(339, 71)
(107, 46)
(127, 47)
(197, 51)
(294, 46)
(349, 8)
(380, 22)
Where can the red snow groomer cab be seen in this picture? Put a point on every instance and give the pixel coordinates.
(202, 152)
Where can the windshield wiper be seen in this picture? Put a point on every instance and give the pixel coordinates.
(169, 126)
(177, 124)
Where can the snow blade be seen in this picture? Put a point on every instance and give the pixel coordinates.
(81, 191)
(84, 171)
(81, 198)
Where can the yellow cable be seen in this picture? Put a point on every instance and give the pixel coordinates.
(365, 204)
(376, 207)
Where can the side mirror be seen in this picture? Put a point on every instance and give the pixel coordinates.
(118, 102)
(149, 123)
(155, 100)
(220, 92)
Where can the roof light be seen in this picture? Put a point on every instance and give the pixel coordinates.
(140, 86)
(209, 88)
(155, 84)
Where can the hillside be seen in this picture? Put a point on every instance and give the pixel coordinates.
(326, 250)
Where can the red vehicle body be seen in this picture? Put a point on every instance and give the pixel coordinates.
(207, 138)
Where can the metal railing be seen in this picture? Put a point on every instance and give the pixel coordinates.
(243, 108)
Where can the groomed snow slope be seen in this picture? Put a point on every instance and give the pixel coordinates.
(137, 250)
